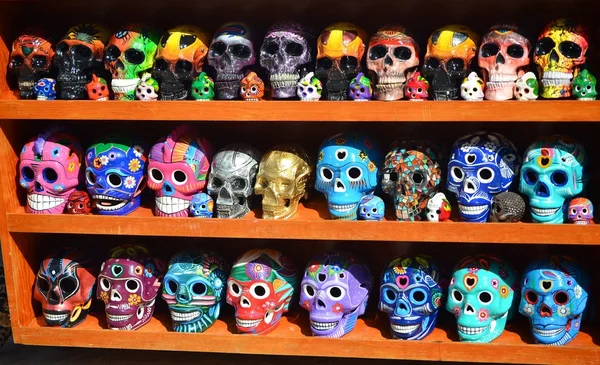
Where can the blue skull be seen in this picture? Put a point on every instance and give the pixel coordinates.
(115, 175)
(481, 165)
(347, 170)
(202, 206)
(553, 297)
(45, 89)
(411, 296)
(371, 208)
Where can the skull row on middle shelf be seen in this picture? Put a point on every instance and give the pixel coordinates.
(351, 171)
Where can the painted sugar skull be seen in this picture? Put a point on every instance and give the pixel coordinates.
(194, 288)
(581, 211)
(202, 206)
(231, 54)
(438, 208)
(260, 287)
(79, 203)
(65, 286)
(147, 89)
(177, 170)
(50, 170)
(347, 170)
(309, 88)
(115, 174)
(417, 88)
(393, 56)
(203, 88)
(472, 88)
(503, 56)
(340, 50)
(482, 297)
(412, 174)
(284, 177)
(232, 178)
(554, 170)
(371, 208)
(30, 60)
(252, 87)
(481, 165)
(554, 297)
(527, 87)
(584, 86)
(335, 290)
(507, 207)
(559, 52)
(45, 89)
(97, 89)
(78, 55)
(360, 88)
(450, 50)
(179, 59)
(411, 296)
(287, 49)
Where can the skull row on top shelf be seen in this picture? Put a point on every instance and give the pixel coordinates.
(288, 55)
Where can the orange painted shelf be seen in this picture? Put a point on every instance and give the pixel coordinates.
(321, 111)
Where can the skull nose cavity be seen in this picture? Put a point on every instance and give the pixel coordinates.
(469, 310)
(224, 197)
(321, 304)
(500, 58)
(470, 187)
(388, 60)
(38, 186)
(339, 186)
(115, 296)
(554, 56)
(168, 189)
(402, 308)
(245, 302)
(545, 311)
(542, 190)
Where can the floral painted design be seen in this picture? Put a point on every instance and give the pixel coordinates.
(578, 291)
(528, 310)
(130, 182)
(71, 166)
(134, 299)
(495, 283)
(149, 270)
(340, 141)
(503, 273)
(59, 187)
(504, 291)
(258, 270)
(564, 311)
(138, 151)
(314, 267)
(437, 299)
(104, 160)
(307, 304)
(269, 305)
(483, 315)
(338, 308)
(104, 297)
(473, 270)
(456, 311)
(134, 165)
(399, 270)
(372, 166)
(97, 163)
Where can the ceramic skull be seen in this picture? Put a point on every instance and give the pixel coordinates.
(417, 88)
(231, 179)
(438, 208)
(507, 207)
(554, 170)
(252, 87)
(584, 86)
(393, 57)
(79, 203)
(581, 211)
(194, 288)
(371, 208)
(45, 89)
(30, 60)
(526, 87)
(360, 88)
(260, 287)
(202, 206)
(472, 88)
(554, 295)
(203, 88)
(309, 88)
(483, 295)
(147, 88)
(335, 290)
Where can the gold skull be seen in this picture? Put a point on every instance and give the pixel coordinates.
(283, 179)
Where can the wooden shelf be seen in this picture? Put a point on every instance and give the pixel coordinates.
(322, 111)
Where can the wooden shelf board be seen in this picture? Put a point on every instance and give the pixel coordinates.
(322, 111)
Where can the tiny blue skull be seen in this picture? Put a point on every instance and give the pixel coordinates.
(371, 208)
(45, 89)
(201, 206)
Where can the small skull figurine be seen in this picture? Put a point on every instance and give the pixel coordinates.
(526, 87)
(128, 284)
(252, 87)
(203, 88)
(232, 178)
(284, 177)
(507, 207)
(371, 208)
(438, 208)
(335, 290)
(202, 206)
(97, 89)
(260, 287)
(581, 211)
(411, 296)
(194, 288)
(309, 88)
(360, 88)
(147, 89)
(79, 203)
(584, 86)
(45, 89)
(472, 88)
(554, 296)
(482, 297)
(417, 88)
(30, 60)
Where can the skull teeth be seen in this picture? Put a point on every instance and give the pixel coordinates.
(115, 318)
(26, 84)
(544, 212)
(108, 203)
(247, 323)
(323, 326)
(472, 209)
(581, 222)
(56, 317)
(122, 86)
(229, 77)
(556, 78)
(471, 330)
(497, 77)
(184, 316)
(169, 205)
(42, 97)
(548, 333)
(43, 202)
(405, 329)
(342, 208)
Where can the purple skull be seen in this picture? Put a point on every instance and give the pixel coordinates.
(360, 88)
(128, 284)
(335, 290)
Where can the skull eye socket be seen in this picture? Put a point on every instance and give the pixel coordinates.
(418, 296)
(179, 177)
(238, 184)
(68, 286)
(134, 56)
(418, 178)
(260, 290)
(515, 51)
(348, 63)
(114, 180)
(217, 49)
(458, 38)
(105, 284)
(455, 64)
(216, 182)
(112, 53)
(531, 177)
(83, 52)
(294, 49)
(485, 297)
(485, 175)
(584, 211)
(389, 295)
(62, 48)
(457, 295)
(336, 292)
(309, 290)
(156, 175)
(161, 64)
(39, 62)
(270, 48)
(324, 63)
(326, 174)
(183, 68)
(432, 63)
(254, 89)
(559, 178)
(198, 289)
(403, 53)
(80, 206)
(90, 177)
(234, 289)
(241, 51)
(354, 173)
(489, 49)
(27, 173)
(49, 175)
(43, 285)
(457, 173)
(17, 61)
(377, 52)
(264, 183)
(132, 286)
(531, 297)
(561, 297)
(570, 49)
(186, 40)
(171, 286)
(544, 46)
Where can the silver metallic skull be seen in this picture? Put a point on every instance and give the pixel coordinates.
(231, 179)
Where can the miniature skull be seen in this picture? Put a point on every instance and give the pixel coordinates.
(503, 55)
(177, 169)
(231, 54)
(482, 165)
(360, 88)
(231, 179)
(584, 86)
(554, 297)
(526, 87)
(30, 60)
(482, 297)
(147, 89)
(472, 87)
(438, 208)
(581, 211)
(260, 287)
(45, 89)
(287, 49)
(97, 89)
(411, 296)
(203, 88)
(554, 170)
(79, 203)
(50, 170)
(371, 208)
(202, 206)
(309, 88)
(507, 207)
(194, 288)
(393, 56)
(252, 87)
(335, 290)
(417, 88)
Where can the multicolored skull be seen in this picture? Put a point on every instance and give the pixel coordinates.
(309, 88)
(45, 89)
(554, 170)
(554, 297)
(147, 88)
(559, 52)
(482, 297)
(177, 170)
(360, 88)
(438, 208)
(260, 287)
(252, 87)
(203, 88)
(232, 178)
(194, 289)
(79, 203)
(128, 284)
(97, 89)
(335, 290)
(347, 170)
(371, 208)
(526, 87)
(584, 86)
(581, 211)
(507, 207)
(65, 286)
(417, 88)
(50, 170)
(482, 165)
(472, 88)
(411, 296)
(202, 206)
(30, 60)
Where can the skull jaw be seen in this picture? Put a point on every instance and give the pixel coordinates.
(499, 91)
(37, 205)
(483, 333)
(162, 207)
(386, 93)
(547, 215)
(72, 86)
(227, 86)
(26, 89)
(232, 210)
(66, 318)
(326, 327)
(555, 91)
(129, 207)
(284, 85)
(409, 210)
(173, 90)
(130, 320)
(285, 210)
(337, 90)
(476, 210)
(193, 319)
(405, 329)
(259, 326)
(124, 89)
(346, 212)
(556, 335)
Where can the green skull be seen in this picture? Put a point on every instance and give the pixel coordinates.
(584, 86)
(203, 88)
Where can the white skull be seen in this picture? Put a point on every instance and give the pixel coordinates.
(147, 89)
(309, 88)
(434, 206)
(526, 87)
(472, 88)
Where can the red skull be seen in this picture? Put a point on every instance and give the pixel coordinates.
(79, 203)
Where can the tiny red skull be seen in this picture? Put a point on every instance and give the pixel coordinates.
(79, 203)
(97, 89)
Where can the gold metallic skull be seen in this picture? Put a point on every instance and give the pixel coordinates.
(283, 179)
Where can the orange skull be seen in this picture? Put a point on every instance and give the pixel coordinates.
(252, 88)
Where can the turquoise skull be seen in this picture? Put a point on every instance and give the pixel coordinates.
(482, 297)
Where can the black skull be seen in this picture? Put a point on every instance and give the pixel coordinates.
(507, 207)
(336, 75)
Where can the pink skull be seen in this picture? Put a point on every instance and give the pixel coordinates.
(177, 169)
(581, 211)
(49, 168)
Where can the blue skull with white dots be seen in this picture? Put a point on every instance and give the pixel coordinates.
(482, 165)
(202, 206)
(347, 170)
(45, 89)
(554, 296)
(371, 208)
